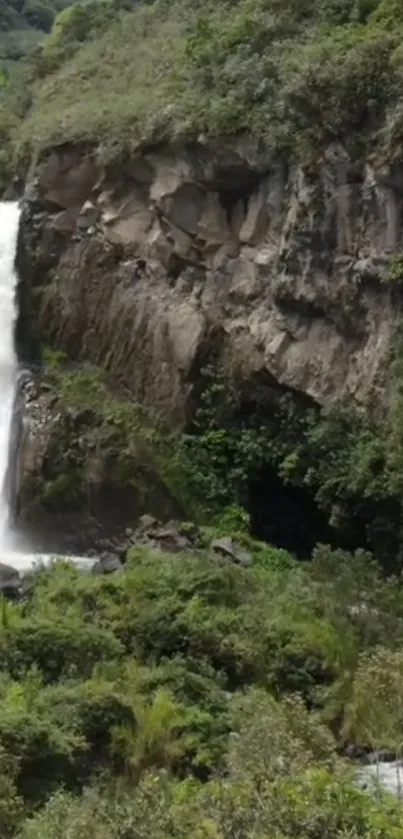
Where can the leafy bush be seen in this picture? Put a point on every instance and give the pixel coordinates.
(223, 680)
(61, 649)
(394, 274)
(39, 15)
(312, 803)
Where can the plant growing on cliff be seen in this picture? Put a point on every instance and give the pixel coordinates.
(346, 465)
(394, 274)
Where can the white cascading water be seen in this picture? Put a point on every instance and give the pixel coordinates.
(9, 220)
(9, 223)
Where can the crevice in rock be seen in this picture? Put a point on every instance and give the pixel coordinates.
(309, 310)
(261, 392)
(229, 199)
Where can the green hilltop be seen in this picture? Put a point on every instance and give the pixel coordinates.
(296, 73)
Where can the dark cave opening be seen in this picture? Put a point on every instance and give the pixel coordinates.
(287, 516)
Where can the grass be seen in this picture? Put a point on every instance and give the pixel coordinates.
(296, 75)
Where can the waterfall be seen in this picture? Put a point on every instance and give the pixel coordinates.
(9, 220)
(20, 559)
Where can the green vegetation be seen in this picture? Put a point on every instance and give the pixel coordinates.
(23, 24)
(349, 468)
(190, 696)
(394, 275)
(295, 74)
(129, 446)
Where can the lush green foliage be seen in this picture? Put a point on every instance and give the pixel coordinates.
(23, 24)
(394, 275)
(138, 452)
(190, 696)
(349, 469)
(295, 74)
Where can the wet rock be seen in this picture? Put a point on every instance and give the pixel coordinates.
(107, 564)
(166, 537)
(10, 580)
(230, 549)
(145, 524)
(381, 756)
(354, 752)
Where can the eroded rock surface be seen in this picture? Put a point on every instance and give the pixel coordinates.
(149, 267)
(71, 496)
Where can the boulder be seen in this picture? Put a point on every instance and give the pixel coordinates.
(66, 179)
(145, 524)
(230, 549)
(162, 537)
(170, 539)
(10, 580)
(107, 564)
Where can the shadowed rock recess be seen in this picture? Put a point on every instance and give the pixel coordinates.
(154, 266)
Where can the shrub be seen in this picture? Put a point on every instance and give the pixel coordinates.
(56, 649)
(39, 15)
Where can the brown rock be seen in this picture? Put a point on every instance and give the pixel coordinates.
(88, 215)
(231, 550)
(255, 224)
(10, 580)
(107, 564)
(65, 221)
(66, 179)
(299, 304)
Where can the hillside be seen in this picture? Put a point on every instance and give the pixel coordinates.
(298, 75)
(23, 26)
(210, 313)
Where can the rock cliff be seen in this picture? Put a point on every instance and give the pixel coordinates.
(213, 252)
(148, 267)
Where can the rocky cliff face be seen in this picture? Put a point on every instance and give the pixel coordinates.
(148, 267)
(71, 491)
(152, 267)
